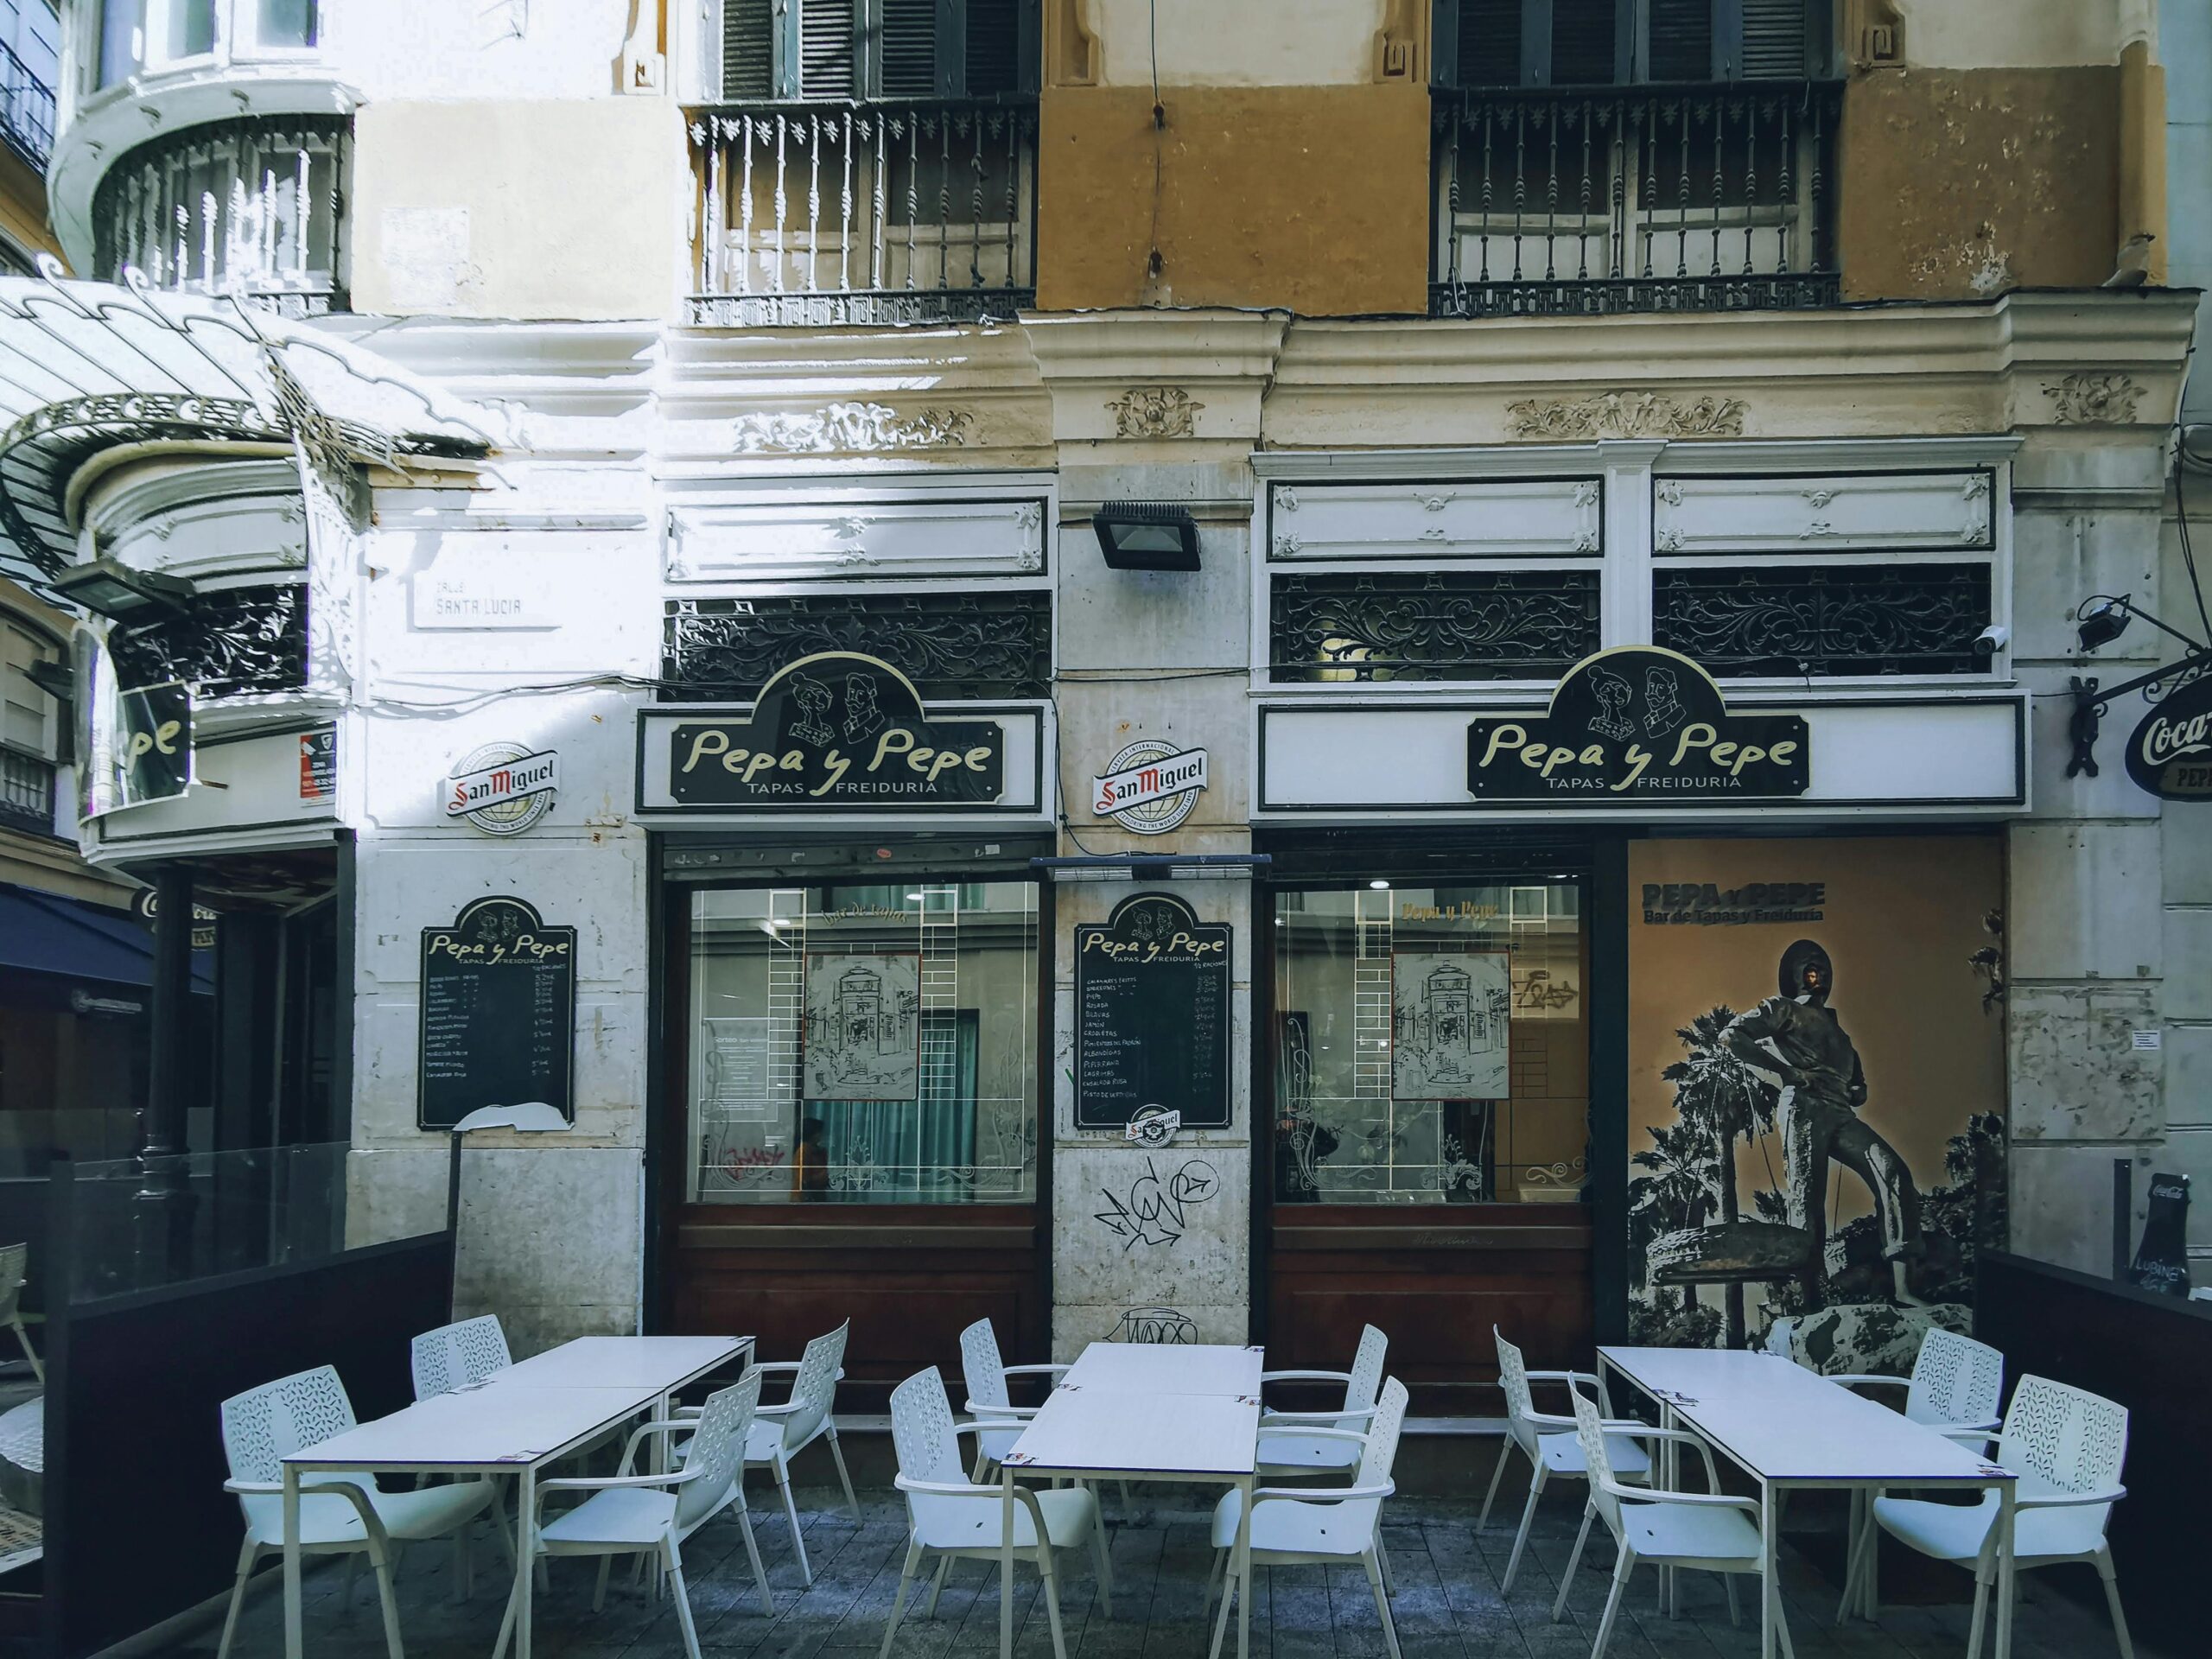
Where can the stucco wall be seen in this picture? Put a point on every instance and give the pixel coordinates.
(1313, 197)
(568, 208)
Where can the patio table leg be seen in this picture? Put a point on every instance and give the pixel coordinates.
(293, 1648)
(1006, 1562)
(526, 1555)
(1768, 1599)
(1247, 1486)
(2007, 1493)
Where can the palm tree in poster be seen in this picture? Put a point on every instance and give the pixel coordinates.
(1718, 1097)
(1680, 1190)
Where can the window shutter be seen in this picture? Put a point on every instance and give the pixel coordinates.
(1490, 43)
(748, 50)
(827, 37)
(1682, 40)
(993, 47)
(1774, 39)
(1585, 35)
(907, 43)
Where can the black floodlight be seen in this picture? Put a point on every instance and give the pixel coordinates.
(2102, 621)
(1147, 536)
(116, 591)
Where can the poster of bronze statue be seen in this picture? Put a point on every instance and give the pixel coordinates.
(863, 1027)
(1817, 1092)
(1449, 1014)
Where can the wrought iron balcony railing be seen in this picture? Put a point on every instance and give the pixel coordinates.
(1594, 201)
(867, 213)
(26, 793)
(252, 205)
(26, 110)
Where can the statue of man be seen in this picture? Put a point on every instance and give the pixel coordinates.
(1796, 1039)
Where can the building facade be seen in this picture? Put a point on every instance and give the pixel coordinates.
(1178, 674)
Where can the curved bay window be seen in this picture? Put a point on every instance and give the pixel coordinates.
(864, 1044)
(1433, 1043)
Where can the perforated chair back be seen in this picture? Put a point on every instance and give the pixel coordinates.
(2062, 1439)
(814, 1388)
(1954, 1380)
(982, 1367)
(262, 1426)
(1520, 1404)
(455, 1356)
(1380, 1454)
(717, 1451)
(1366, 1369)
(1590, 1433)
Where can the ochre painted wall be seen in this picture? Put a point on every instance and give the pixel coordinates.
(1309, 198)
(22, 206)
(1958, 184)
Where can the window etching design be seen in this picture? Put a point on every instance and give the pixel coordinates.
(1459, 625)
(233, 642)
(951, 645)
(1835, 620)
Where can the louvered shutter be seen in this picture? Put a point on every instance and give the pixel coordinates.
(1489, 46)
(993, 47)
(906, 46)
(1682, 40)
(748, 54)
(829, 66)
(1585, 38)
(1774, 39)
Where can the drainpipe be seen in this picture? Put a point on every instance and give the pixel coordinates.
(162, 1213)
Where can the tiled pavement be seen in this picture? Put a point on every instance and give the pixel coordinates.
(1447, 1604)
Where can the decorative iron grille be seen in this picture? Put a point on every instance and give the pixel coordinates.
(1458, 624)
(233, 642)
(1591, 202)
(1847, 620)
(952, 646)
(865, 212)
(26, 793)
(253, 206)
(26, 110)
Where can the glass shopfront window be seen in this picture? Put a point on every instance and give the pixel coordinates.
(864, 1044)
(1431, 1042)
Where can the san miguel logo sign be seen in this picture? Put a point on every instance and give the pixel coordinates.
(2170, 752)
(1637, 724)
(837, 731)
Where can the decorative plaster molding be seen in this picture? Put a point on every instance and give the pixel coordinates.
(850, 427)
(2092, 399)
(1154, 412)
(1626, 414)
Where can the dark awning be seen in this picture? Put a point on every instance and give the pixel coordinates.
(46, 933)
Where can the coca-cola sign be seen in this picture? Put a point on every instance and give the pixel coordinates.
(2170, 752)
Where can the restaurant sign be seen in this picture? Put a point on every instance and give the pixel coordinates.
(2170, 752)
(141, 750)
(1636, 724)
(835, 731)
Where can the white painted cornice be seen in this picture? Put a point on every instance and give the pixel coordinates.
(1212, 368)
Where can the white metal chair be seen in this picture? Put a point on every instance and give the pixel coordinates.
(340, 1515)
(2067, 1447)
(459, 1356)
(781, 1433)
(15, 1259)
(1956, 1383)
(999, 1422)
(651, 1515)
(1549, 1443)
(1322, 1526)
(1707, 1532)
(1293, 1447)
(956, 1519)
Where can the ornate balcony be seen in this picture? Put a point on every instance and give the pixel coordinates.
(867, 213)
(26, 110)
(1590, 201)
(253, 207)
(26, 793)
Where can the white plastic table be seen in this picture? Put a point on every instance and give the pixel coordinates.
(1146, 1411)
(1789, 1428)
(516, 1422)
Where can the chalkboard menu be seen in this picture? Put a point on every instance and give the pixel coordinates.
(1151, 1016)
(498, 1014)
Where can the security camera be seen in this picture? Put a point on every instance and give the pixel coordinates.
(1991, 640)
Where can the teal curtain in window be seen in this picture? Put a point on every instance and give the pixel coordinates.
(903, 1151)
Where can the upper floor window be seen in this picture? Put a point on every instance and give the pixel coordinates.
(136, 36)
(30, 57)
(29, 731)
(1612, 42)
(869, 49)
